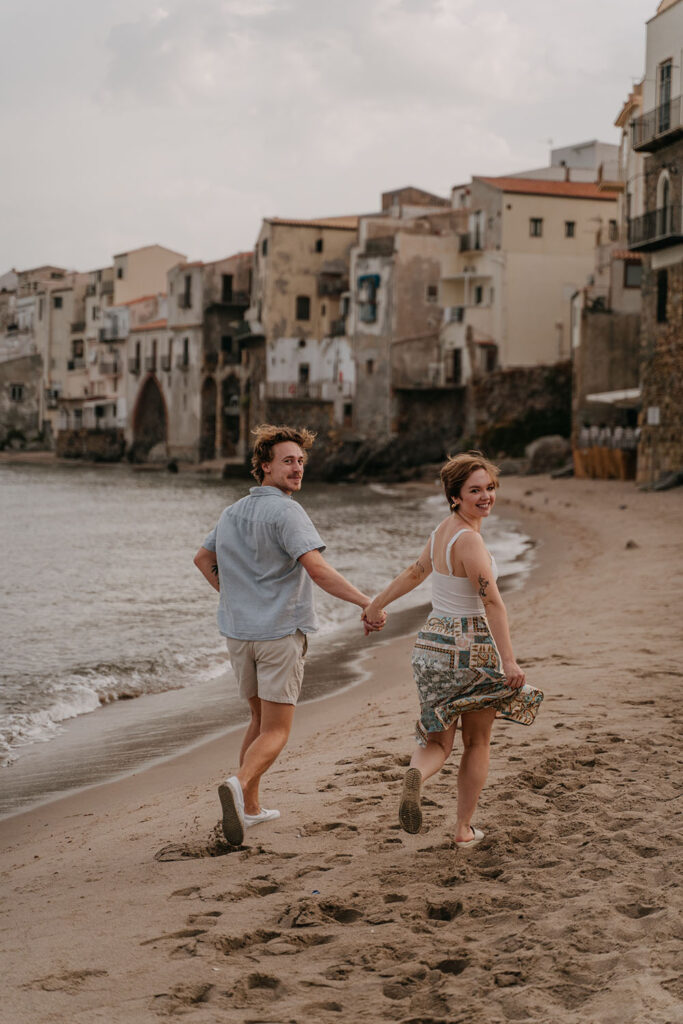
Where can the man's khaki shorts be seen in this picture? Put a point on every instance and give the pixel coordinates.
(269, 669)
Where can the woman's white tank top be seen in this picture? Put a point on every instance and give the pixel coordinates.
(455, 595)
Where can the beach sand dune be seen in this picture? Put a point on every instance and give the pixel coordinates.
(124, 904)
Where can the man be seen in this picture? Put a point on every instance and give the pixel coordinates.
(263, 557)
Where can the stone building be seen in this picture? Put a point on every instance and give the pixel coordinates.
(395, 315)
(507, 285)
(605, 329)
(298, 305)
(655, 232)
(190, 372)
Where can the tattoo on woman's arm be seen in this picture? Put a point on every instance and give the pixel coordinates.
(483, 584)
(214, 569)
(418, 568)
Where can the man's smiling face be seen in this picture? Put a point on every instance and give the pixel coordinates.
(286, 468)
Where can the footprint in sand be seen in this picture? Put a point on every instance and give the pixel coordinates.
(636, 910)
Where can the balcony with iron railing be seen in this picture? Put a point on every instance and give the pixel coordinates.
(658, 127)
(325, 390)
(109, 368)
(77, 363)
(166, 363)
(78, 326)
(150, 363)
(338, 327)
(134, 365)
(182, 363)
(471, 242)
(655, 229)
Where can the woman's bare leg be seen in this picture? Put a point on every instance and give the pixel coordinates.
(474, 767)
(431, 758)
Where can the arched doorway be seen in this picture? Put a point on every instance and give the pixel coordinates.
(150, 422)
(207, 436)
(231, 414)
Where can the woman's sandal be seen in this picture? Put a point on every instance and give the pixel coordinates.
(477, 837)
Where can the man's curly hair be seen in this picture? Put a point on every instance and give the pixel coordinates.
(266, 436)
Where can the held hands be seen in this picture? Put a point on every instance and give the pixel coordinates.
(373, 619)
(514, 677)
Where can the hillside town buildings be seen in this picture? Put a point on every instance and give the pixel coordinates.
(391, 324)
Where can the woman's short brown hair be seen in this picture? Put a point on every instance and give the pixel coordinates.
(266, 436)
(456, 471)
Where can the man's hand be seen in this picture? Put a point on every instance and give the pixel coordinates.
(373, 619)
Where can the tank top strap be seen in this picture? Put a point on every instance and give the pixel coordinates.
(451, 542)
(431, 547)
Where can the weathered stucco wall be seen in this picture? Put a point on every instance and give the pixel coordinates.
(20, 417)
(661, 444)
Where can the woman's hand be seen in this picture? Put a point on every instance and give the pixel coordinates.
(373, 618)
(514, 677)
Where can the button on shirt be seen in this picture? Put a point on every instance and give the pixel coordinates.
(264, 592)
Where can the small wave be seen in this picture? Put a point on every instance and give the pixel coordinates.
(57, 700)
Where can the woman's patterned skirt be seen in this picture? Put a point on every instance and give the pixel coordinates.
(457, 669)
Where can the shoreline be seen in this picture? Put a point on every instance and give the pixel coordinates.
(123, 906)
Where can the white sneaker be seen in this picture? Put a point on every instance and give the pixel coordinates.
(232, 802)
(263, 815)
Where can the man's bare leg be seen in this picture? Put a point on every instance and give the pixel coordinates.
(275, 726)
(254, 727)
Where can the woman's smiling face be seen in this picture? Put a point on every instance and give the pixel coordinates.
(478, 494)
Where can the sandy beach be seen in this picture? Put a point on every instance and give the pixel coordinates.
(122, 904)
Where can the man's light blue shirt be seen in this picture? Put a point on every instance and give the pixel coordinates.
(265, 593)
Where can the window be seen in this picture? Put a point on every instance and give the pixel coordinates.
(230, 350)
(187, 297)
(368, 285)
(77, 348)
(186, 351)
(664, 96)
(662, 295)
(40, 309)
(536, 227)
(633, 275)
(16, 392)
(78, 417)
(613, 231)
(303, 307)
(478, 294)
(96, 312)
(454, 367)
(432, 292)
(119, 272)
(319, 245)
(137, 355)
(226, 292)
(57, 302)
(569, 228)
(304, 373)
(369, 366)
(264, 247)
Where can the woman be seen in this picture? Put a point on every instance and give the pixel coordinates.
(463, 661)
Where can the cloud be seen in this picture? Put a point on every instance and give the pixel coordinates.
(185, 121)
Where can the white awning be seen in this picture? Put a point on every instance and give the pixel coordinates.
(627, 398)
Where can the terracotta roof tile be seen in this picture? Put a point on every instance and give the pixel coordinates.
(350, 223)
(153, 325)
(143, 298)
(626, 254)
(541, 187)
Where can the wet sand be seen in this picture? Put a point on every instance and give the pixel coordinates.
(122, 904)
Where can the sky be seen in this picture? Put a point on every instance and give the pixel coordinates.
(185, 122)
